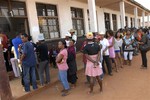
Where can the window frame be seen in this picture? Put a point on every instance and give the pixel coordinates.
(46, 17)
(77, 18)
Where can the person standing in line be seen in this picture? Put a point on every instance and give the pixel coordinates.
(28, 62)
(144, 41)
(16, 42)
(67, 38)
(42, 50)
(128, 49)
(71, 61)
(110, 38)
(73, 35)
(118, 47)
(92, 52)
(14, 62)
(61, 61)
(105, 46)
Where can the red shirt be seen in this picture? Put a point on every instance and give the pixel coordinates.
(4, 40)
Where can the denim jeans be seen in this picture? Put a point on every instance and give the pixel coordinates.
(63, 79)
(26, 77)
(44, 66)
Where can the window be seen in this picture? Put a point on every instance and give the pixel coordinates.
(126, 20)
(114, 18)
(107, 21)
(18, 8)
(3, 8)
(78, 20)
(48, 20)
(131, 22)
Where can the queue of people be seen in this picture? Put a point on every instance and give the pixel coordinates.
(113, 50)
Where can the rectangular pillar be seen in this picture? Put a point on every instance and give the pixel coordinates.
(32, 19)
(136, 17)
(122, 12)
(148, 21)
(5, 90)
(111, 22)
(92, 13)
(143, 19)
(129, 22)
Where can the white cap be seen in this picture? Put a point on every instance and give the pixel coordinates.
(102, 33)
(68, 34)
(41, 37)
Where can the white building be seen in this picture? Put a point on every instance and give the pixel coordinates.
(55, 17)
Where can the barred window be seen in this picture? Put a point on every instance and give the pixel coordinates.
(78, 20)
(107, 21)
(48, 20)
(3, 8)
(19, 8)
(114, 18)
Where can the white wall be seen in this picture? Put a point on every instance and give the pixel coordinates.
(64, 14)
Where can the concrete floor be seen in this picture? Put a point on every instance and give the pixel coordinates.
(131, 83)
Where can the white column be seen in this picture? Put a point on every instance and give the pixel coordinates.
(92, 13)
(143, 18)
(111, 22)
(122, 12)
(148, 21)
(129, 22)
(32, 19)
(136, 17)
(118, 21)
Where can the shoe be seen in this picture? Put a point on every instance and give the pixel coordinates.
(110, 74)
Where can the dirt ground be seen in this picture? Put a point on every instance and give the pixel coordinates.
(130, 83)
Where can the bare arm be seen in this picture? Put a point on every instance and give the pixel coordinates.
(59, 58)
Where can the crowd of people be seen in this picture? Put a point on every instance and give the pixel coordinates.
(111, 50)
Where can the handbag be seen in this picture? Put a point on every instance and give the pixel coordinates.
(146, 46)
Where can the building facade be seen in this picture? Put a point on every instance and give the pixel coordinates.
(54, 18)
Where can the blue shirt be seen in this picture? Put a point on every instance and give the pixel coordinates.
(16, 42)
(28, 51)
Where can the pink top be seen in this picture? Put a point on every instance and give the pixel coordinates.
(63, 65)
(111, 50)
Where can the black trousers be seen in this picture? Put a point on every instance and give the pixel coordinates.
(106, 60)
(144, 58)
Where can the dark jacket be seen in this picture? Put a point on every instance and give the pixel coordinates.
(71, 61)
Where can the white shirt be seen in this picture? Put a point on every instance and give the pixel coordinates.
(118, 44)
(105, 44)
(67, 43)
(74, 37)
(14, 52)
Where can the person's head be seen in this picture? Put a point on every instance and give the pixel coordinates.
(102, 35)
(62, 44)
(41, 38)
(24, 37)
(128, 33)
(89, 36)
(68, 35)
(72, 31)
(109, 33)
(71, 42)
(118, 35)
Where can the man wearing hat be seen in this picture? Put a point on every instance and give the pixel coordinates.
(105, 44)
(73, 35)
(42, 50)
(68, 35)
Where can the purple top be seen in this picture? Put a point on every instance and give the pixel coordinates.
(111, 50)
